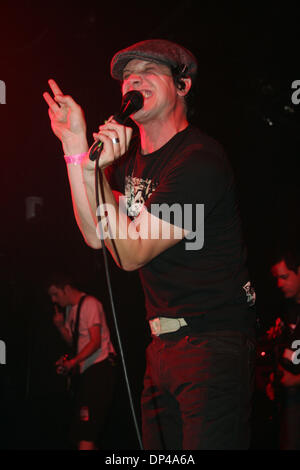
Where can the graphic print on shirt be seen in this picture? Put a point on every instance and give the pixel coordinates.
(250, 293)
(137, 191)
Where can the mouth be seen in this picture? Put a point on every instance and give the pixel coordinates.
(146, 93)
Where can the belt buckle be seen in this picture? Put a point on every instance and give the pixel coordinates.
(161, 325)
(155, 326)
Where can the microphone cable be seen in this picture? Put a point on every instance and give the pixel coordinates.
(99, 183)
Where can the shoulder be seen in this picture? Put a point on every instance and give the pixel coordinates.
(200, 154)
(92, 303)
(201, 147)
(92, 310)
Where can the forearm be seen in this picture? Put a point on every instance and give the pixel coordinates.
(132, 243)
(86, 352)
(120, 233)
(84, 206)
(84, 203)
(121, 246)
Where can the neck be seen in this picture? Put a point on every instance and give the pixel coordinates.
(75, 297)
(156, 133)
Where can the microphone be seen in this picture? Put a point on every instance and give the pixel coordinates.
(132, 101)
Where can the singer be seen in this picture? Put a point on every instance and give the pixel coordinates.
(200, 303)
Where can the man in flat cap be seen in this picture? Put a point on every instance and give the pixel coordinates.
(170, 205)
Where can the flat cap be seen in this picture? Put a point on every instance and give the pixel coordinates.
(155, 50)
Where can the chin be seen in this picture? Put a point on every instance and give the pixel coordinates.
(142, 119)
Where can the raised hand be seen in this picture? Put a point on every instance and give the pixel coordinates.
(67, 120)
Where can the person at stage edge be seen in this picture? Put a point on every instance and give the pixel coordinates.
(199, 299)
(94, 358)
(284, 384)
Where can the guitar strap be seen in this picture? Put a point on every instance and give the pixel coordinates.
(75, 333)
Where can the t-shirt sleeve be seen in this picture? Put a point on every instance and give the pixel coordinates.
(92, 313)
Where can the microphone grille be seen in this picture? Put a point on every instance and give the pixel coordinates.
(135, 97)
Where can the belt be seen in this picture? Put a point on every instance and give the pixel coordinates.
(161, 325)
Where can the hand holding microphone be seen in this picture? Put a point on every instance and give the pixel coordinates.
(131, 103)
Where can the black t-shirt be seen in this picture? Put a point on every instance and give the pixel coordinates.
(290, 333)
(204, 279)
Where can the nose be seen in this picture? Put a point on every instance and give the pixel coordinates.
(134, 79)
(280, 283)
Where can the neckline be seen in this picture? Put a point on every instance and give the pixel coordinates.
(169, 142)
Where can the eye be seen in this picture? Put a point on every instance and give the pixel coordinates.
(126, 74)
(150, 69)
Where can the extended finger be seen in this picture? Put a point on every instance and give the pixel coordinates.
(109, 119)
(54, 87)
(51, 103)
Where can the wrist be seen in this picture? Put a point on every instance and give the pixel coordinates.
(75, 159)
(75, 146)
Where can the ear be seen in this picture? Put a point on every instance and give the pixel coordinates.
(188, 84)
(67, 289)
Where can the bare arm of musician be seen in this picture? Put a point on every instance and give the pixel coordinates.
(68, 124)
(88, 350)
(131, 242)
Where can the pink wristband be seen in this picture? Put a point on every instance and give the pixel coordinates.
(76, 159)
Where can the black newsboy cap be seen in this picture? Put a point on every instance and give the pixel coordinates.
(156, 50)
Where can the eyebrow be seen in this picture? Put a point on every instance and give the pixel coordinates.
(146, 66)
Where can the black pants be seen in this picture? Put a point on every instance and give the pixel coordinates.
(93, 400)
(289, 433)
(197, 391)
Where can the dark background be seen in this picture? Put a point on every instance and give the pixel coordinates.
(248, 59)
